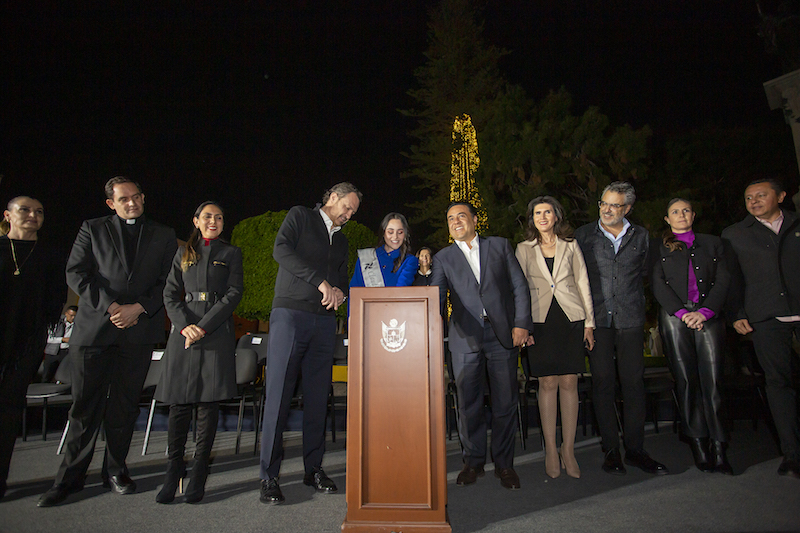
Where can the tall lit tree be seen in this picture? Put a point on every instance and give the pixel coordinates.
(460, 76)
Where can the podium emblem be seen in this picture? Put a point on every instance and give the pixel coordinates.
(394, 336)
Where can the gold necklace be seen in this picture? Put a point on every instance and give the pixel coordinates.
(14, 256)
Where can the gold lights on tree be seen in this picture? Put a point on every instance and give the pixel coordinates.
(465, 162)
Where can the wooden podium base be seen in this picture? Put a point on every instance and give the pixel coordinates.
(396, 462)
(399, 527)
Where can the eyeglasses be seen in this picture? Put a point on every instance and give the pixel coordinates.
(601, 204)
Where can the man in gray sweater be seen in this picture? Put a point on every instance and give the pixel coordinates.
(616, 257)
(311, 284)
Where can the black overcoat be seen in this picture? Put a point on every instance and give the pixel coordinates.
(206, 372)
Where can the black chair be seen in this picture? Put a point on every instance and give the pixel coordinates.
(337, 397)
(258, 342)
(148, 392)
(246, 377)
(46, 393)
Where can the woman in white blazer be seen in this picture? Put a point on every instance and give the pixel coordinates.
(563, 317)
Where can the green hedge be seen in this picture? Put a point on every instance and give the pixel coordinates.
(256, 237)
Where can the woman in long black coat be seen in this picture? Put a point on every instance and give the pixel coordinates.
(203, 289)
(690, 280)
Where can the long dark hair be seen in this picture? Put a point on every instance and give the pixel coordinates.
(190, 254)
(562, 229)
(668, 238)
(406, 246)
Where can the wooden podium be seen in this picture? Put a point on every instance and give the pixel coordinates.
(396, 462)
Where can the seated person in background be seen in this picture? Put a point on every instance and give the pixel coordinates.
(390, 264)
(58, 343)
(425, 258)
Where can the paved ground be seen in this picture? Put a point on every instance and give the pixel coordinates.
(755, 499)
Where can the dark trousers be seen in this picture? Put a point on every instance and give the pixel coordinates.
(14, 380)
(772, 340)
(628, 345)
(470, 371)
(51, 363)
(106, 386)
(299, 342)
(180, 418)
(695, 358)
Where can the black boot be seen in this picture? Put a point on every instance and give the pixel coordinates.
(207, 417)
(718, 458)
(701, 459)
(180, 416)
(197, 481)
(176, 471)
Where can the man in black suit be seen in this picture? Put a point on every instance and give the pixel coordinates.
(58, 343)
(118, 266)
(764, 252)
(491, 318)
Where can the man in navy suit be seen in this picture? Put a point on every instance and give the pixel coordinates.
(118, 266)
(490, 319)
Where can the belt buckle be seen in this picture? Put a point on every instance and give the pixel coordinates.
(202, 296)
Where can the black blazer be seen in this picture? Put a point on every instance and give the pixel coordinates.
(766, 282)
(669, 275)
(503, 292)
(98, 272)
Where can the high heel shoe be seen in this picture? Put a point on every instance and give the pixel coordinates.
(197, 481)
(699, 448)
(551, 463)
(719, 460)
(569, 463)
(173, 481)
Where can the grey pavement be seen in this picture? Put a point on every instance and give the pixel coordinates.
(755, 499)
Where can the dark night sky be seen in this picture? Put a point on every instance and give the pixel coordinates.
(264, 105)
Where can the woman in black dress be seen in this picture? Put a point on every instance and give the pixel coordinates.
(203, 289)
(32, 291)
(690, 280)
(563, 320)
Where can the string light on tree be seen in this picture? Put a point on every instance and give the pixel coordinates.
(464, 162)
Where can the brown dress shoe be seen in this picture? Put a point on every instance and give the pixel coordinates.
(508, 478)
(469, 475)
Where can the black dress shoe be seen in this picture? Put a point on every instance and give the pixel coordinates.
(508, 478)
(271, 492)
(789, 468)
(57, 494)
(613, 463)
(122, 484)
(320, 481)
(469, 475)
(640, 459)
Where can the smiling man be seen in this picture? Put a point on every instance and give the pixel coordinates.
(311, 284)
(490, 319)
(616, 258)
(118, 267)
(764, 251)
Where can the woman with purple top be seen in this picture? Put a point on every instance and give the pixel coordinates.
(690, 281)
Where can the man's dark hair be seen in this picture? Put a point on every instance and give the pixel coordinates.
(776, 185)
(342, 189)
(472, 210)
(115, 181)
(72, 308)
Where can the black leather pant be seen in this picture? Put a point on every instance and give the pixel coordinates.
(695, 358)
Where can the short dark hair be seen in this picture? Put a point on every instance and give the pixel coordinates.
(72, 308)
(116, 180)
(776, 185)
(342, 189)
(472, 210)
